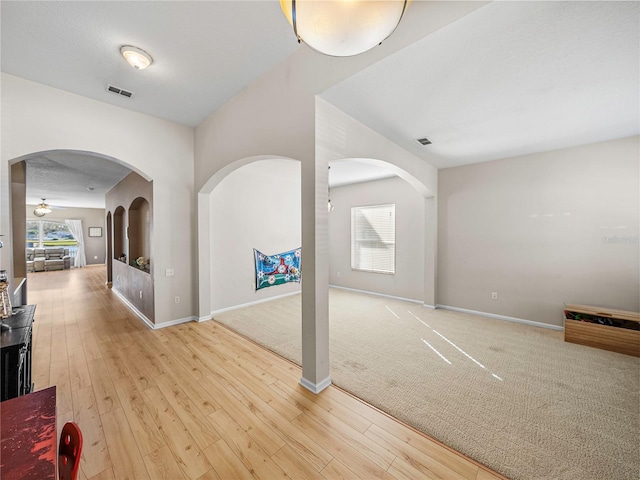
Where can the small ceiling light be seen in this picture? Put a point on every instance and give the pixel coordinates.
(136, 57)
(343, 28)
(42, 209)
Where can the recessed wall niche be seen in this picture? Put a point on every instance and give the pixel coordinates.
(119, 235)
(140, 234)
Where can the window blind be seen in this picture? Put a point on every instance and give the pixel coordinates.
(373, 238)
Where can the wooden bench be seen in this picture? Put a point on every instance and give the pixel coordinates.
(614, 330)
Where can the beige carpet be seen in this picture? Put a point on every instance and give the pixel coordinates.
(516, 398)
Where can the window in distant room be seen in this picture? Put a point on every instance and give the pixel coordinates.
(373, 238)
(42, 233)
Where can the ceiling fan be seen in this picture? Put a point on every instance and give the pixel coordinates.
(42, 209)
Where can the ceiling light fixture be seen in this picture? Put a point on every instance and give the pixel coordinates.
(343, 28)
(136, 57)
(42, 209)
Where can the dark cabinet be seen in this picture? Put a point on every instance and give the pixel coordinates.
(16, 353)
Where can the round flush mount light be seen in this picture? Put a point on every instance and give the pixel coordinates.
(343, 28)
(136, 57)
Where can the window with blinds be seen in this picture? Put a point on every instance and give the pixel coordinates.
(373, 238)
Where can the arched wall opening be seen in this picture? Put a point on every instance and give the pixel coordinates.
(257, 206)
(250, 196)
(340, 137)
(407, 195)
(17, 192)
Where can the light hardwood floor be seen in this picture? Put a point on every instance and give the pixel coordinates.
(197, 401)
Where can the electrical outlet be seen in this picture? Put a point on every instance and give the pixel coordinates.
(494, 295)
(177, 299)
(95, 257)
(169, 273)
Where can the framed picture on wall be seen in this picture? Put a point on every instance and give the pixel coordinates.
(95, 231)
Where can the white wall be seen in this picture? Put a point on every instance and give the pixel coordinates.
(542, 230)
(39, 118)
(256, 206)
(408, 281)
(91, 217)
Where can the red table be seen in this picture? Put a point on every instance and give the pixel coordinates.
(28, 436)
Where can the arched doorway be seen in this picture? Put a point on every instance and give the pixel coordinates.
(64, 173)
(205, 247)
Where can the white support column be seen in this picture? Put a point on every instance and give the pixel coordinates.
(430, 251)
(315, 277)
(204, 257)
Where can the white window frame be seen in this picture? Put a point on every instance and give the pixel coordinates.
(367, 254)
(72, 248)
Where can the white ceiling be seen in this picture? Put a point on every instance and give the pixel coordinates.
(204, 51)
(65, 179)
(511, 78)
(508, 79)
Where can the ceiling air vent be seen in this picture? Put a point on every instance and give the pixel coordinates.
(119, 91)
(423, 141)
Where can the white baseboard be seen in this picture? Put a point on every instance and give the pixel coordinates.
(205, 318)
(264, 300)
(501, 317)
(138, 313)
(177, 321)
(315, 387)
(366, 292)
(429, 306)
(146, 321)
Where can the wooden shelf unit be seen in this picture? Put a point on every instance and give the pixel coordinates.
(607, 337)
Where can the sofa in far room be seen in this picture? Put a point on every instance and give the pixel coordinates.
(48, 259)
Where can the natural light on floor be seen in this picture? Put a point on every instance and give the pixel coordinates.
(450, 343)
